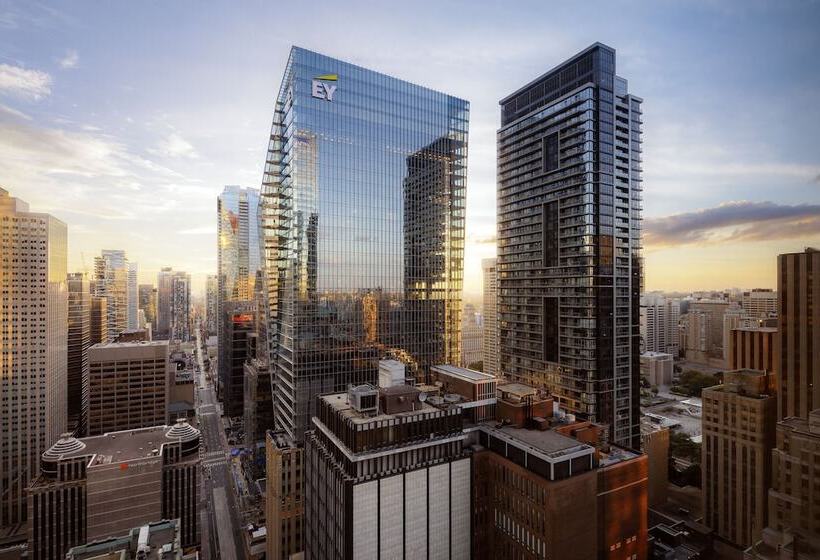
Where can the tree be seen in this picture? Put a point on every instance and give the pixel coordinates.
(693, 382)
(478, 366)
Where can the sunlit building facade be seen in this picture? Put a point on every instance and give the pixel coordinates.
(569, 239)
(79, 341)
(363, 214)
(111, 281)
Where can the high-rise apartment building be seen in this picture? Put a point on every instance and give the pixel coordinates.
(111, 281)
(752, 348)
(238, 261)
(739, 420)
(704, 339)
(180, 315)
(133, 297)
(148, 303)
(659, 323)
(489, 339)
(569, 239)
(99, 319)
(33, 346)
(212, 304)
(363, 217)
(165, 288)
(798, 368)
(100, 487)
(129, 385)
(386, 475)
(471, 333)
(760, 302)
(79, 341)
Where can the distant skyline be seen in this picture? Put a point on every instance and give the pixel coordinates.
(126, 120)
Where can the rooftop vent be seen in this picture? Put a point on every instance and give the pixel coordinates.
(364, 399)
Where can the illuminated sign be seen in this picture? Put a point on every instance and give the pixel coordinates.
(244, 318)
(321, 89)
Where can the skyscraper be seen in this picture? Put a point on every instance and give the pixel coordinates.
(181, 306)
(165, 284)
(659, 324)
(33, 345)
(133, 301)
(111, 281)
(489, 340)
(238, 261)
(79, 341)
(569, 239)
(212, 304)
(99, 319)
(148, 303)
(363, 216)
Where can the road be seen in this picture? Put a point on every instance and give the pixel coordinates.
(221, 528)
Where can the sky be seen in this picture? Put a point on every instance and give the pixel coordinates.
(126, 119)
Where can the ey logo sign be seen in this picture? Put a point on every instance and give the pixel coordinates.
(324, 86)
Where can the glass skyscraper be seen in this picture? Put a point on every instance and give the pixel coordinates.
(569, 239)
(363, 214)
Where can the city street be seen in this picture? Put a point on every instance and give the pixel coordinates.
(220, 539)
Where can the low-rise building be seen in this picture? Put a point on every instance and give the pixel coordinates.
(657, 368)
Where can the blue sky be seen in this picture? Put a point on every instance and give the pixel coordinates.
(126, 119)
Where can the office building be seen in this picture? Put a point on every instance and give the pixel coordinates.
(738, 421)
(401, 492)
(471, 333)
(363, 218)
(133, 297)
(798, 368)
(165, 290)
(237, 328)
(158, 540)
(211, 304)
(284, 498)
(569, 239)
(181, 326)
(257, 401)
(477, 389)
(735, 317)
(111, 281)
(655, 443)
(489, 338)
(659, 323)
(129, 385)
(99, 320)
(752, 348)
(148, 304)
(705, 332)
(79, 341)
(760, 303)
(34, 344)
(657, 368)
(101, 487)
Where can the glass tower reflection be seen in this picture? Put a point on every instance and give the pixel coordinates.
(363, 218)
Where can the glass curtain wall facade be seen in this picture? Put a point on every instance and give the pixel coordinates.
(569, 239)
(363, 217)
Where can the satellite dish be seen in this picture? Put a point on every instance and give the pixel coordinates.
(422, 397)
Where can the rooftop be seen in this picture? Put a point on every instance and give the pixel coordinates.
(656, 355)
(341, 405)
(464, 373)
(162, 539)
(548, 442)
(137, 344)
(517, 389)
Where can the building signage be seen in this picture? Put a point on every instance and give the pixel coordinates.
(324, 86)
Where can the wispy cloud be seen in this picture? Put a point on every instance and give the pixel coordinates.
(175, 146)
(70, 60)
(204, 230)
(734, 222)
(23, 82)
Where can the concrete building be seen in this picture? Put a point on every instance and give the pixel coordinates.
(181, 325)
(101, 487)
(372, 491)
(471, 335)
(237, 327)
(739, 419)
(133, 296)
(798, 368)
(760, 303)
(477, 389)
(34, 343)
(148, 304)
(165, 290)
(99, 320)
(111, 281)
(704, 339)
(489, 338)
(158, 540)
(284, 498)
(392, 372)
(569, 240)
(753, 348)
(79, 341)
(655, 443)
(129, 385)
(657, 368)
(212, 304)
(659, 323)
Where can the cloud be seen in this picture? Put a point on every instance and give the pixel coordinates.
(175, 146)
(70, 60)
(734, 222)
(204, 230)
(25, 83)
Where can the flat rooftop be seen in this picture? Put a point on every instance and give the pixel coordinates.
(135, 344)
(117, 447)
(341, 405)
(464, 373)
(656, 355)
(160, 534)
(548, 442)
(517, 389)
